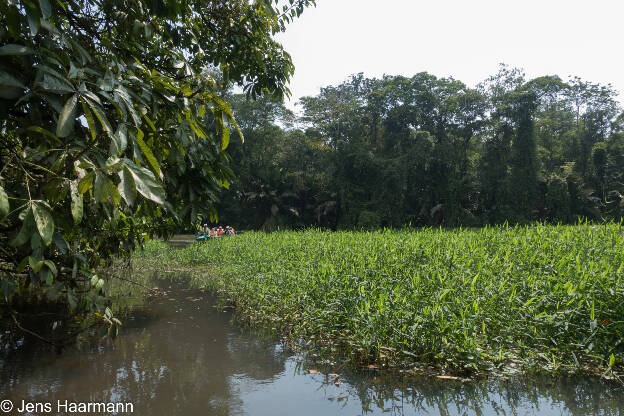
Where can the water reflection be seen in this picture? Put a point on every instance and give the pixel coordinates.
(521, 396)
(178, 355)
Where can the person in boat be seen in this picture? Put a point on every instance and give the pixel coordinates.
(205, 227)
(229, 231)
(220, 231)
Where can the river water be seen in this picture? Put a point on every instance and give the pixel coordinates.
(179, 355)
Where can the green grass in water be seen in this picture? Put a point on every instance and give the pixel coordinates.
(465, 301)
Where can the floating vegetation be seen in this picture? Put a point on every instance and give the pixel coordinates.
(461, 302)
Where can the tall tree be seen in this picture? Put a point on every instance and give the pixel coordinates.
(524, 169)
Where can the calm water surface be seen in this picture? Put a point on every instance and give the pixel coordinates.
(179, 355)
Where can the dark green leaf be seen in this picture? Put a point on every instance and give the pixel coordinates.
(10, 81)
(84, 55)
(46, 9)
(13, 21)
(28, 228)
(91, 96)
(33, 16)
(35, 241)
(127, 100)
(60, 243)
(50, 265)
(13, 49)
(105, 190)
(127, 187)
(45, 275)
(44, 221)
(45, 133)
(116, 102)
(99, 113)
(10, 87)
(67, 118)
(121, 137)
(54, 84)
(146, 183)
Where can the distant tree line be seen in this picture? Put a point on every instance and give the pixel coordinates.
(428, 151)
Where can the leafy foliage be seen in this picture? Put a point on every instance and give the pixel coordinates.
(114, 126)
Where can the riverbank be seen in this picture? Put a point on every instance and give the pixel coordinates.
(461, 302)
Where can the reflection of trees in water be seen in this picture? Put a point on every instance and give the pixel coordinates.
(256, 357)
(18, 351)
(571, 395)
(174, 359)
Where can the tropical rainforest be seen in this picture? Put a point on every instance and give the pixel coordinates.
(427, 151)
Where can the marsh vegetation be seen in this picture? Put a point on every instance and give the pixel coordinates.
(466, 302)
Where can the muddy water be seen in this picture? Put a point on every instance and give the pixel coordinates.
(179, 355)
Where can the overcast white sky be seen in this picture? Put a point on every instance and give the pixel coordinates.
(466, 39)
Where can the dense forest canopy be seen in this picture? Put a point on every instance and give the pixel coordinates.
(426, 151)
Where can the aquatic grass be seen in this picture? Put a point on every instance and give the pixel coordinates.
(467, 301)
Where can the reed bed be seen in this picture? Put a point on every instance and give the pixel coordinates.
(501, 299)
